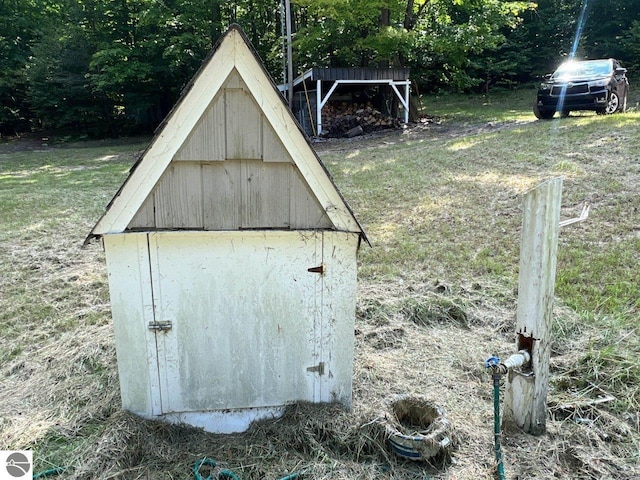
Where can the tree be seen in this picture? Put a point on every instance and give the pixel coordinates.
(433, 37)
(58, 90)
(109, 66)
(631, 39)
(542, 40)
(18, 20)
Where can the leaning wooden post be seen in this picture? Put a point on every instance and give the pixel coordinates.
(526, 390)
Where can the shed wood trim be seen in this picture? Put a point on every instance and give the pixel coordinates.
(232, 52)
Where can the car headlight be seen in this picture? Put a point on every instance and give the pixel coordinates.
(545, 86)
(599, 83)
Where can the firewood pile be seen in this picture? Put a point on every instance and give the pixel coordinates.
(343, 119)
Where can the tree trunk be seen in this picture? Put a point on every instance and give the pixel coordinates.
(216, 22)
(384, 20)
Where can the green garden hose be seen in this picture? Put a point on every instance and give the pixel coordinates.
(496, 424)
(494, 364)
(226, 474)
(50, 472)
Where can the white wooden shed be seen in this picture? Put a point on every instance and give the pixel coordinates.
(231, 258)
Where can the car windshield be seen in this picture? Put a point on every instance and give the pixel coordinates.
(589, 68)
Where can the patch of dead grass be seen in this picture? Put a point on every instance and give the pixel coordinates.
(415, 335)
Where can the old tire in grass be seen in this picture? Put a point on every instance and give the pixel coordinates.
(417, 429)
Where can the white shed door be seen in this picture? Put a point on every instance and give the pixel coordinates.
(245, 315)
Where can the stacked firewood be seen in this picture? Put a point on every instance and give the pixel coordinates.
(342, 119)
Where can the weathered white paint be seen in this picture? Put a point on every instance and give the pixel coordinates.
(526, 392)
(130, 290)
(250, 322)
(233, 60)
(252, 329)
(337, 316)
(228, 421)
(242, 307)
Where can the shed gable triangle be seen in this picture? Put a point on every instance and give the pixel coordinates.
(231, 112)
(233, 126)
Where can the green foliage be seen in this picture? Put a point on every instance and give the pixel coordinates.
(17, 24)
(59, 91)
(631, 40)
(548, 34)
(606, 24)
(104, 67)
(434, 38)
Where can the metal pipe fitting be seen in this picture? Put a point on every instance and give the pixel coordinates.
(514, 361)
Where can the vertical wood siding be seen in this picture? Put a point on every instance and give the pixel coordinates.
(231, 195)
(178, 197)
(145, 216)
(208, 140)
(273, 150)
(232, 172)
(222, 204)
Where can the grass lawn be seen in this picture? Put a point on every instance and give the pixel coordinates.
(441, 202)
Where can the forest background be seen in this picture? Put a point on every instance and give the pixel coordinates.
(111, 67)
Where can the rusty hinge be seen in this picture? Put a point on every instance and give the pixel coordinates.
(319, 269)
(161, 326)
(319, 369)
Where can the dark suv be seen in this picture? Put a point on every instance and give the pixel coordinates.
(597, 85)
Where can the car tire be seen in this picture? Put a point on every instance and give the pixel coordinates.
(542, 114)
(613, 104)
(565, 113)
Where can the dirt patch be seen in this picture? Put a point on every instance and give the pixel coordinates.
(428, 127)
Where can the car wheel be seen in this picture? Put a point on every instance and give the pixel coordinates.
(542, 114)
(613, 105)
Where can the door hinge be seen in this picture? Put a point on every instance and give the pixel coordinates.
(161, 326)
(319, 369)
(319, 269)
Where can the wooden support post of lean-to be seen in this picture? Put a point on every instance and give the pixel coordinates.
(526, 390)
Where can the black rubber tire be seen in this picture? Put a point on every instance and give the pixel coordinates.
(542, 114)
(613, 104)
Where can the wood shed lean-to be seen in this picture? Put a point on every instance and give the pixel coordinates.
(231, 258)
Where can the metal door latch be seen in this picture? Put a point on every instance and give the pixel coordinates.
(161, 326)
(319, 369)
(319, 269)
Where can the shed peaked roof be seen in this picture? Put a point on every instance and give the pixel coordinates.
(232, 65)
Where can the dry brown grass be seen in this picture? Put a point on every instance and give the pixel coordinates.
(414, 335)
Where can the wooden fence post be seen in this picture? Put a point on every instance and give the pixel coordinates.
(526, 390)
